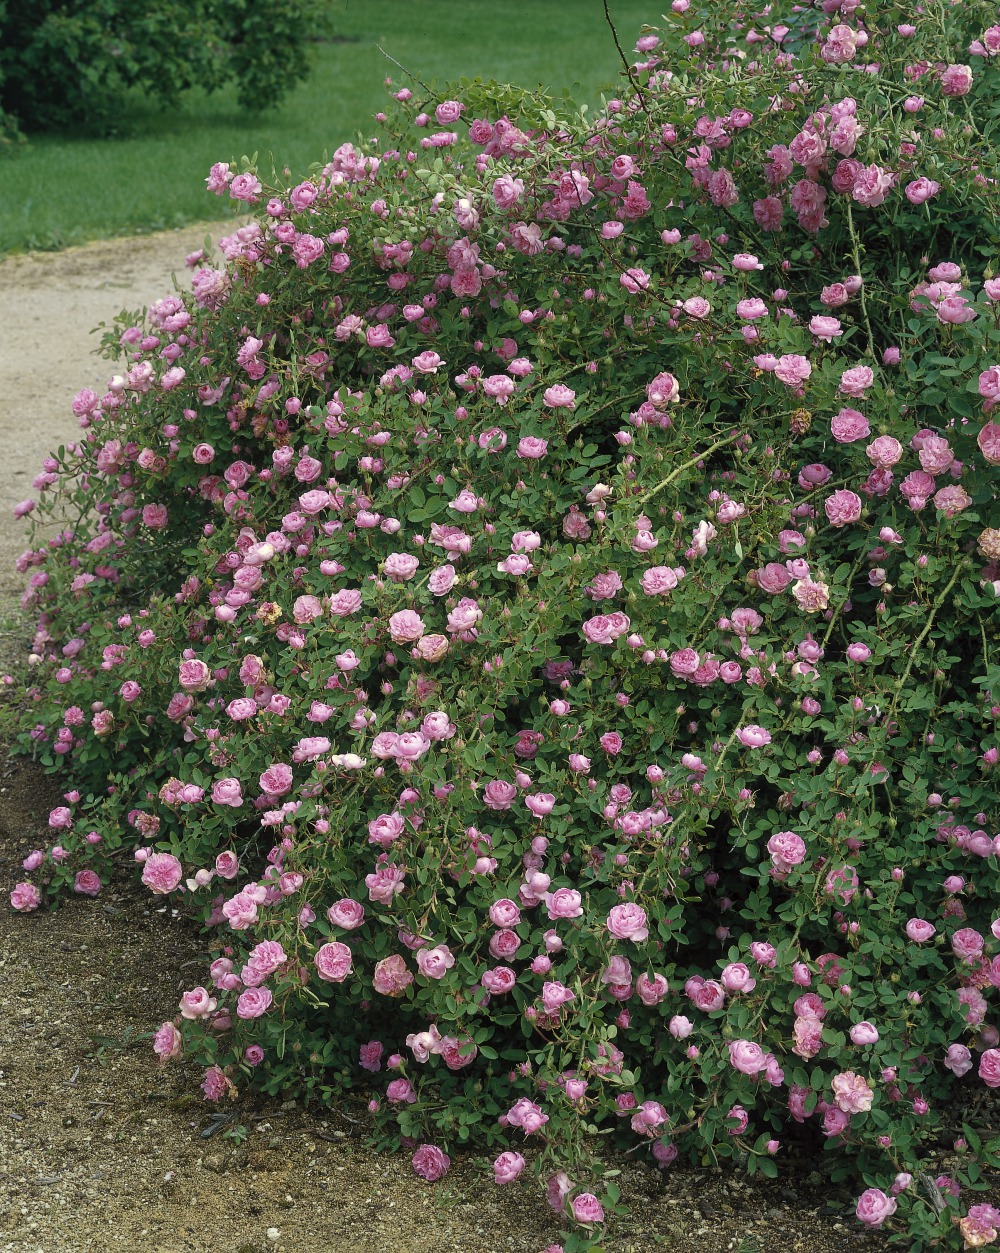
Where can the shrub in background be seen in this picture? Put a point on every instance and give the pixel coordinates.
(536, 600)
(70, 62)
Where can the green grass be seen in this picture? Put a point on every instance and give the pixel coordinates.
(64, 190)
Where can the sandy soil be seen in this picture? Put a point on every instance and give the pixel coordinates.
(99, 1147)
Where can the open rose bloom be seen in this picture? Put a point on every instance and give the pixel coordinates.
(547, 629)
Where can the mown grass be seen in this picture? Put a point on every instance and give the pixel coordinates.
(66, 189)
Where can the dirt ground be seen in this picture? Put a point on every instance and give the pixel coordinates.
(102, 1149)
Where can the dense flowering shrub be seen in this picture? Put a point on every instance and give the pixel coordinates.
(536, 598)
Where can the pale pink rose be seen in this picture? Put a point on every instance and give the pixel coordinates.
(194, 675)
(530, 448)
(864, 1033)
(333, 962)
(558, 396)
(306, 609)
(162, 872)
(967, 944)
(746, 1057)
(787, 850)
(400, 566)
(921, 189)
(405, 626)
(276, 779)
(956, 80)
(988, 440)
(499, 794)
(884, 452)
(736, 977)
(526, 1115)
(507, 1167)
(842, 508)
(874, 1207)
(706, 994)
(662, 390)
(25, 897)
(628, 922)
(434, 963)
(659, 580)
(871, 186)
(499, 980)
(168, 1043)
(227, 792)
(346, 913)
(852, 1093)
(773, 578)
(345, 602)
(951, 500)
(849, 425)
(587, 1208)
(958, 1060)
(857, 380)
(792, 369)
(391, 977)
(919, 930)
(253, 1002)
(808, 1033)
(564, 903)
(87, 883)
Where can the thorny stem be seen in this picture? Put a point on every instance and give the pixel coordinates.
(959, 570)
(628, 69)
(855, 252)
(722, 443)
(408, 73)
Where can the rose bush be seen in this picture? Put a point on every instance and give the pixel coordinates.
(535, 599)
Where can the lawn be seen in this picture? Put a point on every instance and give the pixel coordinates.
(62, 189)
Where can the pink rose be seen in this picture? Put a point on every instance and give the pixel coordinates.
(526, 1115)
(391, 977)
(628, 922)
(346, 913)
(507, 1167)
(194, 675)
(746, 1057)
(168, 1043)
(920, 931)
(499, 794)
(25, 897)
(87, 883)
(849, 425)
(792, 369)
(956, 80)
(277, 779)
(988, 440)
(431, 1163)
(406, 626)
(852, 1093)
(874, 1207)
(564, 903)
(162, 872)
(227, 792)
(253, 1002)
(333, 962)
(842, 508)
(587, 1208)
(434, 963)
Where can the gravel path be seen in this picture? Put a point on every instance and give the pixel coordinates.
(102, 1149)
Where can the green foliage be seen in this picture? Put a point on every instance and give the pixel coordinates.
(542, 619)
(70, 63)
